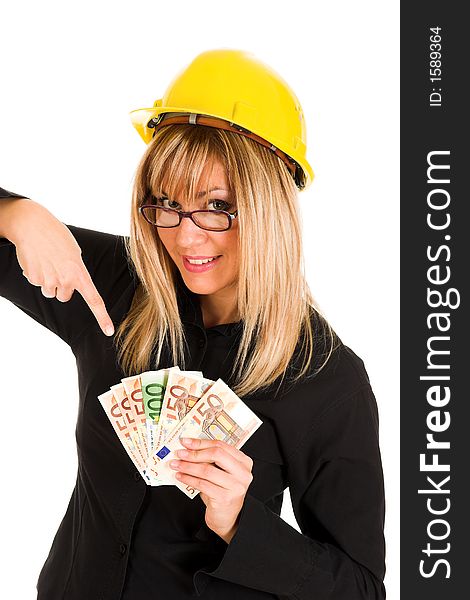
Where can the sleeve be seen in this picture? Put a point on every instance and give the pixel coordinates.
(337, 493)
(105, 258)
(6, 194)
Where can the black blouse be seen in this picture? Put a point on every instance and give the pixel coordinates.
(121, 539)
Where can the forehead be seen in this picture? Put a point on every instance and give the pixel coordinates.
(212, 177)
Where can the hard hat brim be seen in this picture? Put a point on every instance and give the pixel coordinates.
(141, 117)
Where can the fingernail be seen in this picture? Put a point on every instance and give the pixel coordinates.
(109, 330)
(186, 441)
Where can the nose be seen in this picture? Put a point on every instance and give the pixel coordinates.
(189, 234)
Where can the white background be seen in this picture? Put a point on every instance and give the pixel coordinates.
(71, 72)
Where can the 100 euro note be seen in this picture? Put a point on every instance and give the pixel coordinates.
(218, 415)
(153, 390)
(154, 386)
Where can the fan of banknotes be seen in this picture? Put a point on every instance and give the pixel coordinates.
(150, 412)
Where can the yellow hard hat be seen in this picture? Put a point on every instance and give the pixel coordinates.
(232, 89)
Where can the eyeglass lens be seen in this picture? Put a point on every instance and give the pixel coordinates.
(205, 219)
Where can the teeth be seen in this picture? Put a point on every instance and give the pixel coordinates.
(200, 262)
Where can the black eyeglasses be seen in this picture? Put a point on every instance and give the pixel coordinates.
(211, 220)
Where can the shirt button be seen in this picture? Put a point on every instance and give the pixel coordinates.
(201, 343)
(137, 476)
(122, 548)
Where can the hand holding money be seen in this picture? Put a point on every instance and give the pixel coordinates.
(152, 412)
(222, 473)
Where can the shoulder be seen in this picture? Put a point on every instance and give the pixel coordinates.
(332, 362)
(335, 409)
(344, 368)
(335, 375)
(341, 374)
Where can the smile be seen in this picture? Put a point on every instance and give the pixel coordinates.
(198, 265)
(200, 261)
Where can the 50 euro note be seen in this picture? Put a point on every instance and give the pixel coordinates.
(153, 386)
(183, 390)
(113, 412)
(218, 415)
(157, 477)
(133, 388)
(119, 420)
(125, 405)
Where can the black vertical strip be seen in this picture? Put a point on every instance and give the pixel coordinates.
(435, 271)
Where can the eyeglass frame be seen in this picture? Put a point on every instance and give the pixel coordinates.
(182, 214)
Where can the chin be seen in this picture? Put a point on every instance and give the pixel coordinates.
(198, 286)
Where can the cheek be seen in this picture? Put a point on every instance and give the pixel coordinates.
(233, 252)
(232, 245)
(166, 239)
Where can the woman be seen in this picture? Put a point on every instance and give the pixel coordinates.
(221, 291)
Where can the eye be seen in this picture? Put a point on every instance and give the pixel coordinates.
(166, 203)
(161, 202)
(220, 204)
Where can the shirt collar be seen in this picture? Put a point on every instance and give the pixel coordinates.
(190, 310)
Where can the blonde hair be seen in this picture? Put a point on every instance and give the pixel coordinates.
(280, 319)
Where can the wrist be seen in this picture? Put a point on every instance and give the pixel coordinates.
(227, 533)
(10, 209)
(227, 537)
(17, 214)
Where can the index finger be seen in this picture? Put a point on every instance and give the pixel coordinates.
(202, 443)
(95, 302)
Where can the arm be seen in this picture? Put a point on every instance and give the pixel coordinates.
(41, 258)
(6, 200)
(336, 486)
(13, 211)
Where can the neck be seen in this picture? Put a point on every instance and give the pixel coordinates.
(218, 309)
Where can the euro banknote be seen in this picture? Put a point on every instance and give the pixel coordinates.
(151, 411)
(218, 415)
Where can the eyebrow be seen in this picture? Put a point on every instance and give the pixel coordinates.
(200, 194)
(216, 189)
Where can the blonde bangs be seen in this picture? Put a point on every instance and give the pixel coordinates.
(177, 170)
